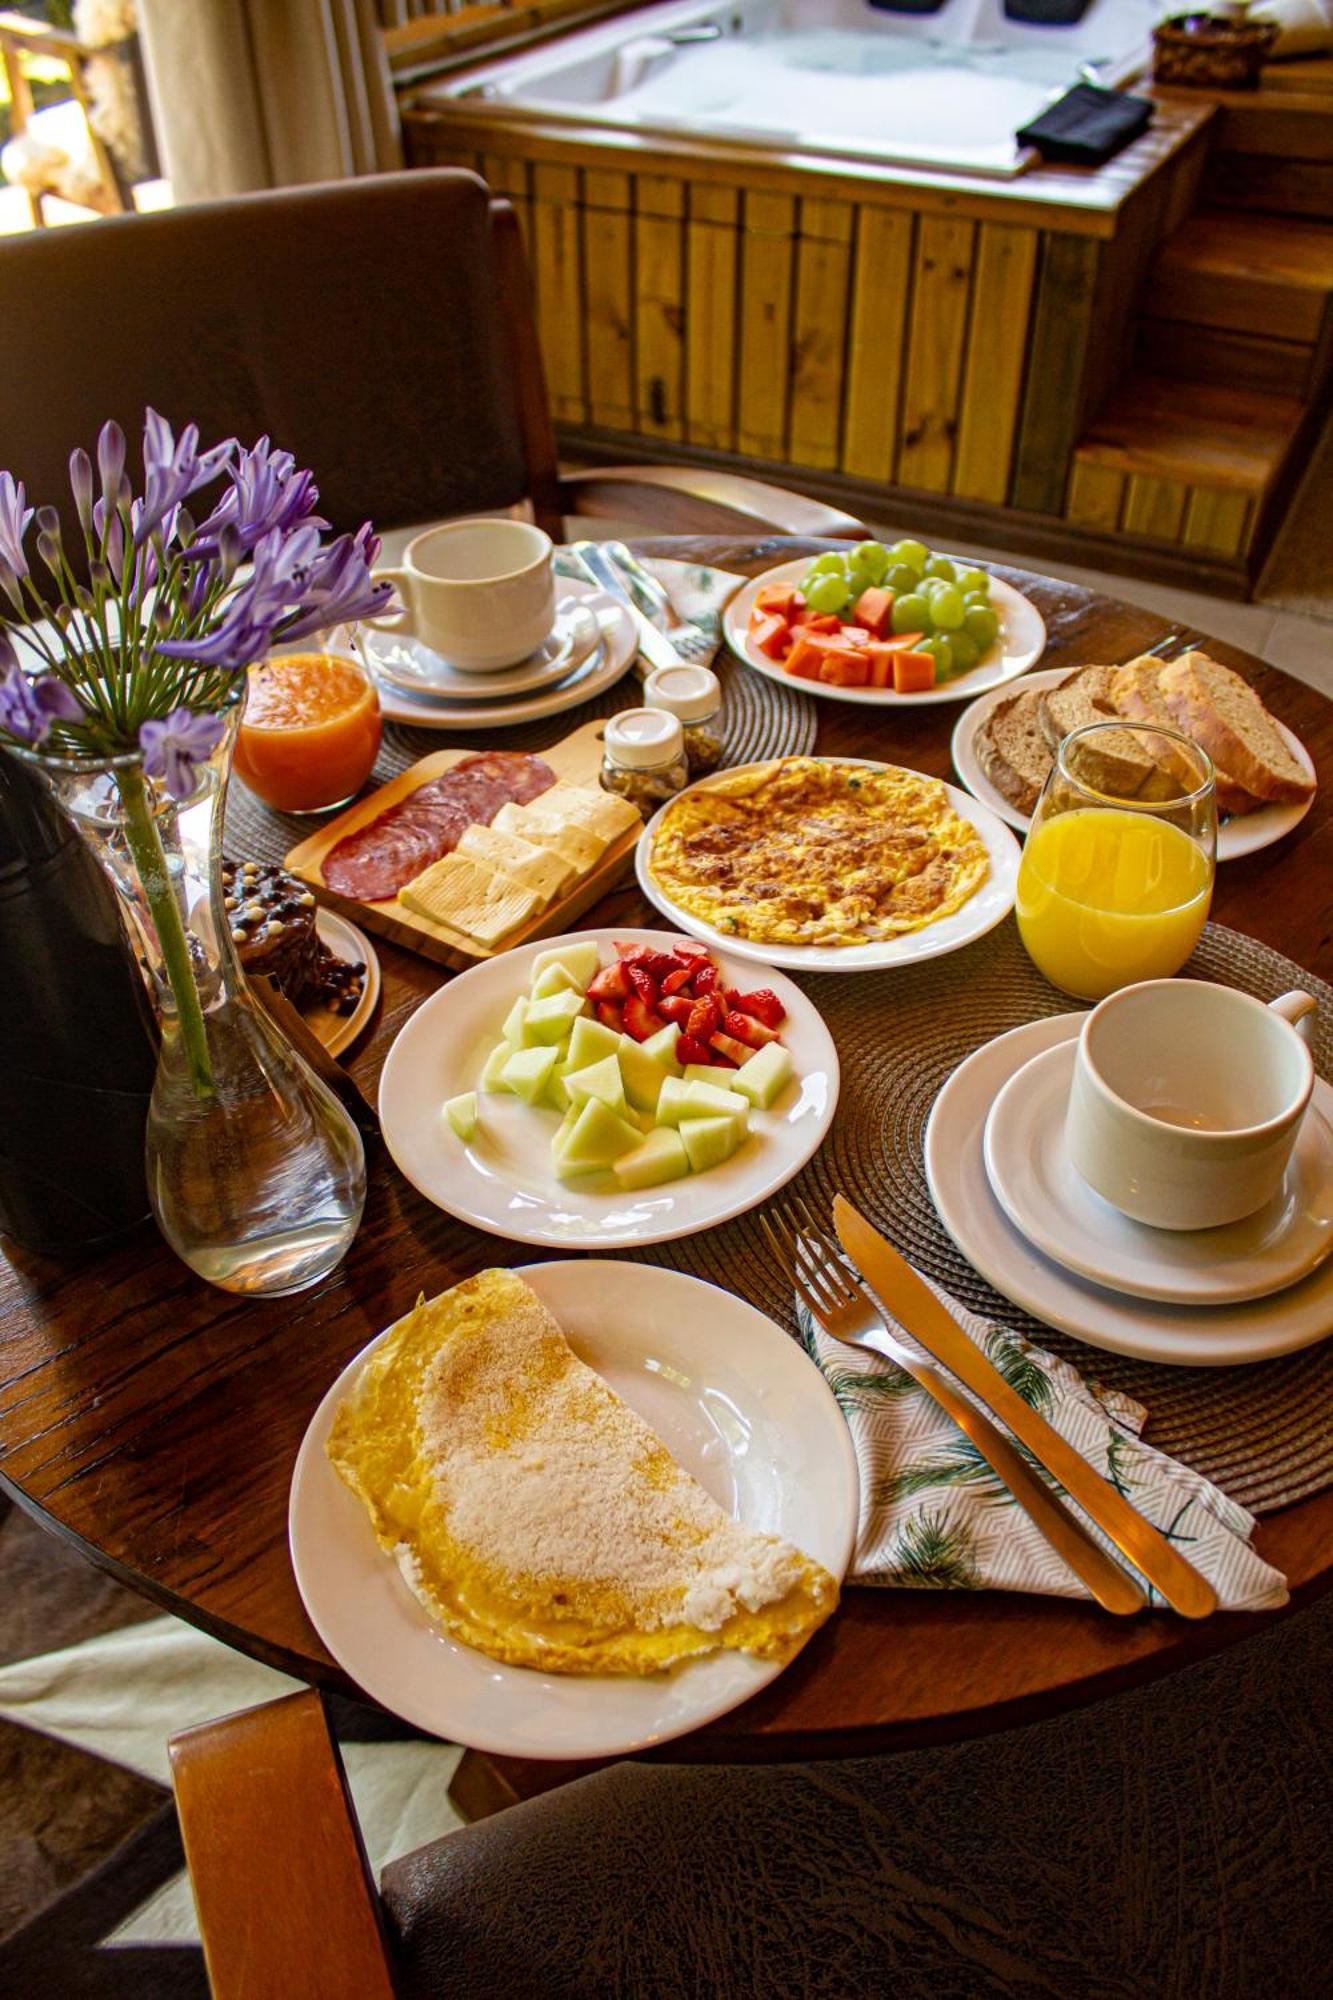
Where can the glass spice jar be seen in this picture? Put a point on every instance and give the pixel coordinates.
(643, 758)
(694, 696)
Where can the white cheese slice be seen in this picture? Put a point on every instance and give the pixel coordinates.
(471, 898)
(602, 813)
(540, 869)
(575, 843)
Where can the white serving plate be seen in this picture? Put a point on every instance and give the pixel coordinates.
(1020, 644)
(1192, 1336)
(503, 1180)
(738, 1404)
(346, 941)
(986, 907)
(1235, 837)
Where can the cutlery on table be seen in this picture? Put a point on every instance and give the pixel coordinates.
(847, 1313)
(653, 644)
(651, 594)
(912, 1302)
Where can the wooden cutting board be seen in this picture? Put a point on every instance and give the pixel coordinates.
(576, 758)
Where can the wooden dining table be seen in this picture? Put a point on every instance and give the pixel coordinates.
(154, 1422)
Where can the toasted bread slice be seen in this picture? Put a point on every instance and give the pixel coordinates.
(1137, 696)
(1083, 696)
(1012, 749)
(1118, 764)
(1223, 713)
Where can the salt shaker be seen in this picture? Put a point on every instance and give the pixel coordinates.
(694, 696)
(643, 757)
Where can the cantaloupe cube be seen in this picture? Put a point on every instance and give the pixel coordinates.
(661, 1157)
(708, 1141)
(764, 1078)
(528, 1071)
(580, 962)
(461, 1112)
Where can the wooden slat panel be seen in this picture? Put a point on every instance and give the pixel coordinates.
(608, 276)
(882, 271)
(558, 277)
(1096, 496)
(659, 307)
(819, 340)
(1154, 507)
(767, 254)
(937, 327)
(1217, 521)
(509, 177)
(997, 345)
(1052, 400)
(712, 261)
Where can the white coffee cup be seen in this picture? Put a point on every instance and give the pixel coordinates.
(480, 593)
(1187, 1099)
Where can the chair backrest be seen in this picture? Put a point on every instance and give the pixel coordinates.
(380, 329)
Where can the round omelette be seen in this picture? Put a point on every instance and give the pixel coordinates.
(814, 851)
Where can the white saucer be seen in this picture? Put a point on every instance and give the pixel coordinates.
(408, 663)
(1044, 1195)
(1195, 1336)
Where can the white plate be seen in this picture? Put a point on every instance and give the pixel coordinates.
(1195, 1336)
(345, 941)
(414, 668)
(738, 1404)
(1021, 642)
(1234, 836)
(503, 1180)
(1044, 1196)
(602, 670)
(985, 907)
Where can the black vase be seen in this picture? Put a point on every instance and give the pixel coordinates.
(77, 1053)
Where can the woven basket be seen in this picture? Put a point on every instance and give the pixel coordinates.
(1218, 55)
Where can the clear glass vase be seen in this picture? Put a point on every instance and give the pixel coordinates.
(256, 1173)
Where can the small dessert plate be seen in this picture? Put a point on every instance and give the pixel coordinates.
(1044, 1196)
(408, 663)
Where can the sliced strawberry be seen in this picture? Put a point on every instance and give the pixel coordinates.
(705, 979)
(690, 1051)
(609, 984)
(726, 1045)
(642, 981)
(763, 1004)
(746, 1029)
(640, 1020)
(608, 1013)
(680, 977)
(655, 963)
(675, 1007)
(705, 1018)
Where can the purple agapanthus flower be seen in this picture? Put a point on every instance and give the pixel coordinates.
(111, 463)
(174, 468)
(15, 515)
(267, 491)
(174, 747)
(339, 588)
(28, 708)
(81, 486)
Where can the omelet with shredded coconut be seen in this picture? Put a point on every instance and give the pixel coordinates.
(536, 1517)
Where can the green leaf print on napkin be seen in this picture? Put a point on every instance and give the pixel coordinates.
(930, 1552)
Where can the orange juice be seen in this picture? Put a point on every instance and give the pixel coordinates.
(1107, 897)
(310, 733)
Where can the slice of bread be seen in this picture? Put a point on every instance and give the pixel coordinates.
(1012, 750)
(1117, 762)
(1137, 695)
(1223, 713)
(1083, 696)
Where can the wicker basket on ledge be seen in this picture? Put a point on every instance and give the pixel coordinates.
(1226, 55)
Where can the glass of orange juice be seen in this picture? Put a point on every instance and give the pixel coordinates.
(310, 732)
(1117, 870)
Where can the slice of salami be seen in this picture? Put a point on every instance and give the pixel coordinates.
(376, 861)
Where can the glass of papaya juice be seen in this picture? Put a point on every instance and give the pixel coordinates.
(310, 732)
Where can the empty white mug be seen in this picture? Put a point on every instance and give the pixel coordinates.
(1187, 1099)
(479, 593)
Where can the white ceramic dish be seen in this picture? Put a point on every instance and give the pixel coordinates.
(1044, 1196)
(1020, 645)
(598, 672)
(413, 669)
(737, 1403)
(346, 941)
(503, 1180)
(1193, 1336)
(1235, 837)
(985, 908)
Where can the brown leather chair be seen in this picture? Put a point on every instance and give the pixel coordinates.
(1171, 1844)
(382, 330)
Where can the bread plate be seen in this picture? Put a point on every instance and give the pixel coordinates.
(1235, 837)
(1020, 645)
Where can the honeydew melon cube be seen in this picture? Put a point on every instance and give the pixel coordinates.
(528, 1071)
(680, 1100)
(601, 1080)
(661, 1157)
(662, 1047)
(551, 1020)
(461, 1112)
(492, 1077)
(580, 962)
(764, 1078)
(513, 1023)
(556, 1094)
(567, 1124)
(709, 1073)
(590, 1041)
(643, 1076)
(555, 979)
(597, 1138)
(708, 1141)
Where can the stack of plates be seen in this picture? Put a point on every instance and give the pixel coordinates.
(590, 647)
(1018, 1209)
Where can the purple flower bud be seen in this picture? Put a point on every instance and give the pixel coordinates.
(48, 548)
(172, 748)
(15, 515)
(111, 462)
(81, 485)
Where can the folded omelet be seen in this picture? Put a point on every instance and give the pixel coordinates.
(538, 1518)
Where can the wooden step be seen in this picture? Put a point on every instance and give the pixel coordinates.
(1201, 433)
(1256, 274)
(1194, 353)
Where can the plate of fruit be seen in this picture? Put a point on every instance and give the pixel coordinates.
(608, 1088)
(884, 624)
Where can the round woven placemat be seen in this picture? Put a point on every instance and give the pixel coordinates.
(1262, 1432)
(759, 720)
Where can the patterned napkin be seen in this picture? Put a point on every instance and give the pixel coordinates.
(934, 1516)
(698, 593)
